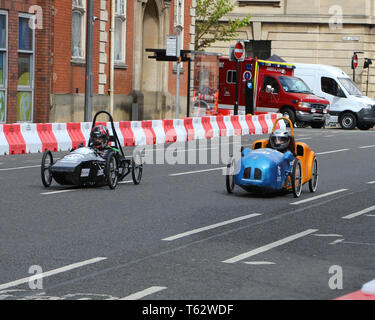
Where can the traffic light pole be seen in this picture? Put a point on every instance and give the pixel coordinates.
(236, 95)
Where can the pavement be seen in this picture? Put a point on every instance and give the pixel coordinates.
(179, 235)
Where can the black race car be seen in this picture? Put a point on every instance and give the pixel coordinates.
(86, 166)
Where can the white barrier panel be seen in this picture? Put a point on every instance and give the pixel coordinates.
(64, 142)
(139, 134)
(4, 146)
(158, 127)
(243, 124)
(281, 122)
(118, 131)
(86, 130)
(229, 126)
(215, 127)
(31, 137)
(180, 129)
(269, 122)
(257, 125)
(199, 132)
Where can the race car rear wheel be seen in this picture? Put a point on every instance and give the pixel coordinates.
(137, 168)
(111, 170)
(313, 183)
(297, 178)
(230, 176)
(47, 162)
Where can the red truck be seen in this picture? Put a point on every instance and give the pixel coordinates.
(275, 89)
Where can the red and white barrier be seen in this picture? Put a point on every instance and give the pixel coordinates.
(33, 138)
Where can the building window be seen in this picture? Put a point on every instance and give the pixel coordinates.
(120, 30)
(26, 37)
(231, 76)
(78, 28)
(258, 48)
(3, 64)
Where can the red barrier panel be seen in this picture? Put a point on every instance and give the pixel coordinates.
(236, 125)
(149, 132)
(47, 137)
(263, 123)
(75, 134)
(127, 133)
(250, 124)
(14, 137)
(274, 118)
(170, 132)
(224, 112)
(206, 123)
(221, 125)
(188, 122)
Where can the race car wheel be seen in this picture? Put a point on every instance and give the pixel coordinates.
(348, 121)
(230, 176)
(137, 168)
(111, 170)
(297, 178)
(47, 162)
(313, 183)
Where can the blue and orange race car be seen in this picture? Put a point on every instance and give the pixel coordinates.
(263, 169)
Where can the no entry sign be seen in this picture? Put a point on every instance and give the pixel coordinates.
(354, 61)
(239, 51)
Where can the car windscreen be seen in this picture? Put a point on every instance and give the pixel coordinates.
(293, 84)
(350, 86)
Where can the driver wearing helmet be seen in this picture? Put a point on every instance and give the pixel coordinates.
(99, 139)
(282, 141)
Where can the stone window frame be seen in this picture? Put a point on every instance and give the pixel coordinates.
(76, 8)
(4, 50)
(121, 14)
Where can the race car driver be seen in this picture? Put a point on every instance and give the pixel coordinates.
(282, 141)
(99, 138)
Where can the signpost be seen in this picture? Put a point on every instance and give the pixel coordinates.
(239, 55)
(355, 62)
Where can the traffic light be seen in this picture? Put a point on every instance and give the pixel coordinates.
(367, 64)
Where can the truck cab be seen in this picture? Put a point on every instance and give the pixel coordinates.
(275, 90)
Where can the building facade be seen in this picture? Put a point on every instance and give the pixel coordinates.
(43, 58)
(317, 31)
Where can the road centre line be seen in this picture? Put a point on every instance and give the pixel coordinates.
(356, 214)
(192, 172)
(371, 182)
(19, 168)
(143, 293)
(365, 147)
(319, 196)
(333, 151)
(59, 191)
(269, 246)
(212, 226)
(51, 272)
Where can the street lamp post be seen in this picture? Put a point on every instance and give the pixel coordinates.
(89, 62)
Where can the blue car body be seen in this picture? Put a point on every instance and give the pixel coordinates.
(263, 170)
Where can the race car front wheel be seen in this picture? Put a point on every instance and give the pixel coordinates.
(137, 168)
(111, 170)
(230, 176)
(47, 162)
(313, 183)
(297, 178)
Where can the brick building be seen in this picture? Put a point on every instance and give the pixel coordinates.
(43, 52)
(25, 65)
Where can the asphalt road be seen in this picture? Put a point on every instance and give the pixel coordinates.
(179, 235)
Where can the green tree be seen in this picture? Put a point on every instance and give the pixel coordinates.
(209, 28)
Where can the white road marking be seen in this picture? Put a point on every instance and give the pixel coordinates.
(216, 225)
(337, 241)
(327, 235)
(19, 168)
(51, 272)
(371, 182)
(143, 293)
(269, 246)
(259, 262)
(370, 215)
(356, 214)
(192, 172)
(318, 197)
(329, 136)
(333, 151)
(60, 191)
(365, 147)
(123, 182)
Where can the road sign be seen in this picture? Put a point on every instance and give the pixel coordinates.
(354, 61)
(239, 51)
(171, 50)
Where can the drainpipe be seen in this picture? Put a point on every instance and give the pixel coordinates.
(112, 63)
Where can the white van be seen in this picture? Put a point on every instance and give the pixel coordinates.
(347, 104)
